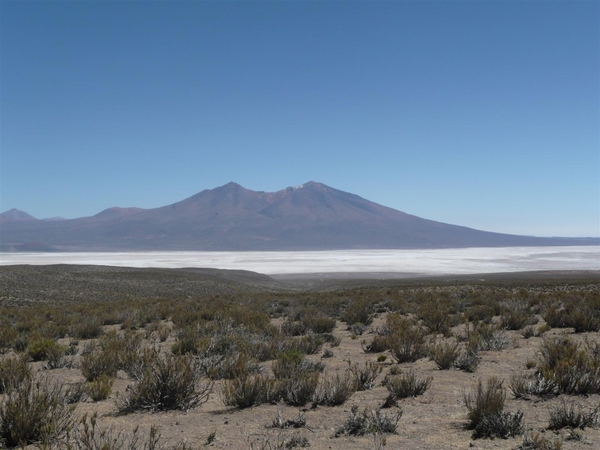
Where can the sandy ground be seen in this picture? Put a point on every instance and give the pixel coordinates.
(435, 420)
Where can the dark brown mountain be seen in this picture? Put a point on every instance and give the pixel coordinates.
(312, 216)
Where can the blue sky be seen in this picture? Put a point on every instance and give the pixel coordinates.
(478, 113)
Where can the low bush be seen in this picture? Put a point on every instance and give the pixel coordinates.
(98, 363)
(365, 376)
(525, 386)
(35, 412)
(404, 386)
(291, 363)
(468, 361)
(358, 311)
(334, 390)
(169, 383)
(538, 441)
(368, 422)
(486, 414)
(573, 369)
(13, 372)
(569, 416)
(407, 341)
(298, 390)
(39, 348)
(100, 388)
(444, 354)
(489, 337)
(248, 390)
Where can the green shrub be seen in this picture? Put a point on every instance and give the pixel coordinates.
(35, 412)
(38, 349)
(56, 357)
(435, 315)
(100, 388)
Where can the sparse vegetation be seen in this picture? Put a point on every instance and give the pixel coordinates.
(486, 414)
(264, 347)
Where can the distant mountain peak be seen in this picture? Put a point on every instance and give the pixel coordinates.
(15, 215)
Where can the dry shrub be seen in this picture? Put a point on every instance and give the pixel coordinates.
(334, 390)
(468, 361)
(35, 412)
(569, 416)
(486, 414)
(573, 369)
(523, 386)
(488, 337)
(358, 311)
(169, 383)
(365, 376)
(407, 341)
(537, 441)
(444, 354)
(100, 388)
(248, 390)
(368, 422)
(435, 315)
(299, 390)
(404, 386)
(13, 372)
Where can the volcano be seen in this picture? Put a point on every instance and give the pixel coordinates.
(311, 216)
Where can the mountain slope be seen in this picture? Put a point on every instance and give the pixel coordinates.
(312, 216)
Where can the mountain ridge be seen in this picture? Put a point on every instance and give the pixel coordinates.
(310, 216)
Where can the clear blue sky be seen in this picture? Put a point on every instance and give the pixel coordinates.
(478, 113)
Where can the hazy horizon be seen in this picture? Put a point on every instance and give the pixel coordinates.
(479, 114)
